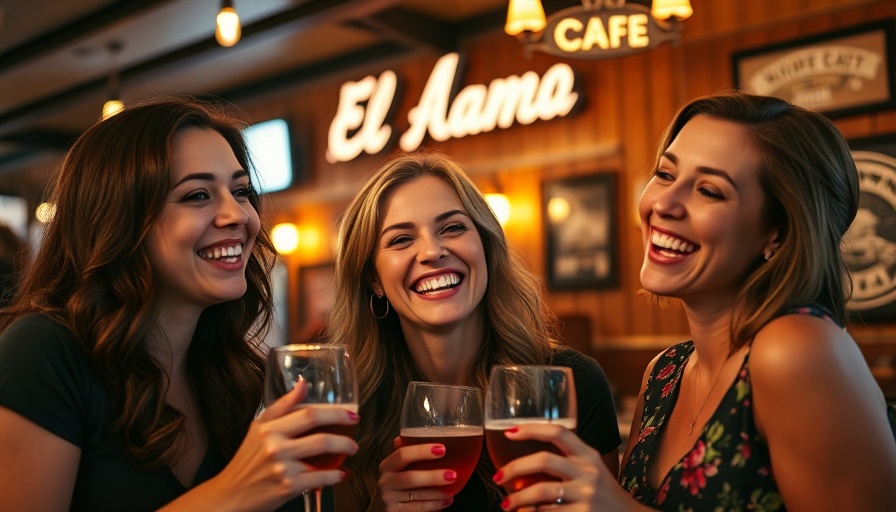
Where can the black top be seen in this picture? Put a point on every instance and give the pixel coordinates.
(46, 377)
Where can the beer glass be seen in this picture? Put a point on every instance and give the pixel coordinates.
(450, 415)
(518, 395)
(330, 380)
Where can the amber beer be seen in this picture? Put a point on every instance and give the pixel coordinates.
(503, 450)
(462, 448)
(330, 460)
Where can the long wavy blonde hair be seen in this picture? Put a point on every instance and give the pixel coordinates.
(518, 329)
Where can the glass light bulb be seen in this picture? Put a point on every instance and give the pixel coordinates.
(500, 205)
(285, 237)
(112, 107)
(227, 27)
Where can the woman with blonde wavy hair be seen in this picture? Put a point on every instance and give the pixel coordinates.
(427, 288)
(130, 362)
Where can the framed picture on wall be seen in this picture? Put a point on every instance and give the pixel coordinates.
(315, 300)
(841, 73)
(869, 246)
(580, 227)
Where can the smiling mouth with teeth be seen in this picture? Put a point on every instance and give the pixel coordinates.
(671, 246)
(229, 254)
(435, 284)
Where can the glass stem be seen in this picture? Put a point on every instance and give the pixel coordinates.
(312, 500)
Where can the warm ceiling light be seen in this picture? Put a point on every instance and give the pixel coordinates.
(45, 212)
(114, 104)
(524, 16)
(285, 237)
(500, 205)
(227, 26)
(558, 209)
(667, 9)
(112, 107)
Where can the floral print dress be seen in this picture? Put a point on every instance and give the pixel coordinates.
(729, 467)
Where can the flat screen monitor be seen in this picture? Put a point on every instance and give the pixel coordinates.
(14, 213)
(271, 152)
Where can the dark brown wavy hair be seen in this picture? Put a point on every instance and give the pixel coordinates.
(92, 274)
(811, 189)
(519, 329)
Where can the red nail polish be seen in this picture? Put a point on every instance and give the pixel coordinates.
(342, 475)
(498, 476)
(505, 504)
(513, 430)
(438, 450)
(450, 476)
(352, 416)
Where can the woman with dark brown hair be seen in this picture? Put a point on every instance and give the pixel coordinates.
(130, 363)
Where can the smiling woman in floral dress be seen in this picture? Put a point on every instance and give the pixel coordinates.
(771, 405)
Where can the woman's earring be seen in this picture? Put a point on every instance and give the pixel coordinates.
(373, 310)
(768, 254)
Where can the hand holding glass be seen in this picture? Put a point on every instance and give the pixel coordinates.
(330, 380)
(526, 394)
(450, 415)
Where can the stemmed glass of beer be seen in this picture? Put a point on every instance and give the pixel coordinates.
(330, 379)
(518, 395)
(450, 415)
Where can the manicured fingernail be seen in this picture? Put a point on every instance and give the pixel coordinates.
(513, 430)
(505, 504)
(450, 476)
(438, 450)
(352, 416)
(498, 476)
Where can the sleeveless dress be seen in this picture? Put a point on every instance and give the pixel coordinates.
(728, 468)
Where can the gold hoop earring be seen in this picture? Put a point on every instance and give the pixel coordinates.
(373, 311)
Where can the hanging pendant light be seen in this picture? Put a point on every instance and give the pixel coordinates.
(524, 16)
(666, 9)
(114, 104)
(227, 26)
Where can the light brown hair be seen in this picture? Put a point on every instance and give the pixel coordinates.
(811, 189)
(518, 327)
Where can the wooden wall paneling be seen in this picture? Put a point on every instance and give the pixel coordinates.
(757, 12)
(816, 25)
(718, 17)
(883, 9)
(822, 5)
(855, 127)
(885, 122)
(606, 127)
(852, 17)
(790, 9)
(634, 93)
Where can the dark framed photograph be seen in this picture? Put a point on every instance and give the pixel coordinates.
(580, 227)
(315, 300)
(841, 73)
(869, 246)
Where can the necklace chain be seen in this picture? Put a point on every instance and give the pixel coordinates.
(714, 382)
